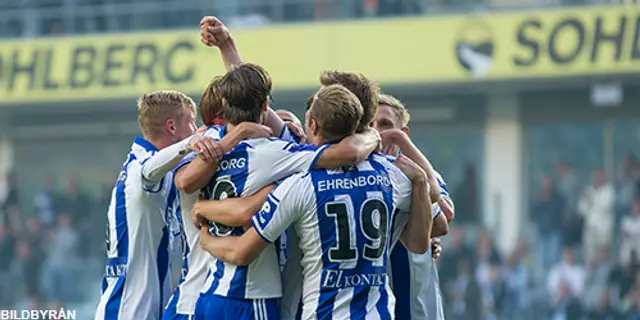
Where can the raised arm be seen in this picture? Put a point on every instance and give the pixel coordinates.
(198, 173)
(409, 149)
(214, 33)
(233, 212)
(416, 236)
(349, 151)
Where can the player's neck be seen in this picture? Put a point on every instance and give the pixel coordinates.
(231, 127)
(158, 143)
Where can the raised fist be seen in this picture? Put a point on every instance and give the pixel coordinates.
(213, 32)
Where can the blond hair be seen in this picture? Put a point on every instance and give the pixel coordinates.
(155, 108)
(337, 112)
(363, 88)
(399, 110)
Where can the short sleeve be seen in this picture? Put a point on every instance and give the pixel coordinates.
(280, 159)
(401, 189)
(280, 210)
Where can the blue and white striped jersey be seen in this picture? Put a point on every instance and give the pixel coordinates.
(250, 166)
(137, 281)
(415, 277)
(342, 222)
(195, 260)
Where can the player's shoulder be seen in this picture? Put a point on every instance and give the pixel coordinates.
(211, 131)
(279, 144)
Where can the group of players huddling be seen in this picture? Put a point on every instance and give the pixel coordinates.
(275, 222)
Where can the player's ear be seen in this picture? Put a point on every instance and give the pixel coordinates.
(405, 129)
(170, 126)
(314, 127)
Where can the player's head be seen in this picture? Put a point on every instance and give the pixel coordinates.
(391, 114)
(288, 116)
(366, 90)
(333, 114)
(166, 116)
(245, 90)
(211, 105)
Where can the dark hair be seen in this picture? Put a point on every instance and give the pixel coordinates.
(211, 105)
(244, 91)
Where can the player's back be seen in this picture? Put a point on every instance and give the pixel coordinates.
(250, 166)
(137, 281)
(344, 237)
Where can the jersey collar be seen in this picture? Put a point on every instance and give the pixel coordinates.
(144, 144)
(223, 131)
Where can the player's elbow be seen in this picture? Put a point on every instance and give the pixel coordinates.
(440, 227)
(418, 246)
(440, 230)
(239, 259)
(184, 184)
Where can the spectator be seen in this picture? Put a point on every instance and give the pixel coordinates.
(34, 236)
(60, 260)
(604, 310)
(627, 181)
(596, 206)
(597, 280)
(45, 203)
(630, 232)
(623, 277)
(545, 213)
(515, 276)
(466, 197)
(566, 276)
(569, 188)
(7, 245)
(27, 267)
(565, 306)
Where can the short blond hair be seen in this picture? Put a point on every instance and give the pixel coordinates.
(337, 112)
(366, 90)
(155, 108)
(399, 110)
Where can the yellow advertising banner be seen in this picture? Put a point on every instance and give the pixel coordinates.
(498, 46)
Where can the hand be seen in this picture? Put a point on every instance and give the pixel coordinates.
(198, 221)
(251, 130)
(297, 131)
(213, 32)
(389, 141)
(436, 248)
(410, 169)
(204, 147)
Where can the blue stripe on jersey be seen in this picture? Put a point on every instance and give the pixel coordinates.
(383, 305)
(401, 276)
(329, 238)
(112, 309)
(121, 211)
(217, 275)
(162, 258)
(230, 181)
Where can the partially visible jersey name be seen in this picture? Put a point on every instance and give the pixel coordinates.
(351, 183)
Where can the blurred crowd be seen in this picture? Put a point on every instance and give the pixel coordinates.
(578, 258)
(58, 17)
(52, 253)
